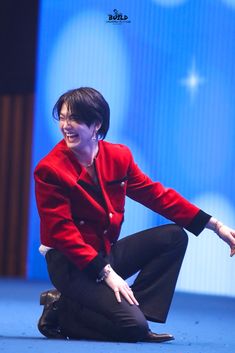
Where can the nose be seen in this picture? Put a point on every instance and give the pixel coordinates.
(66, 122)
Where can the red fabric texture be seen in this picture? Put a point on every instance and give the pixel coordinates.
(74, 222)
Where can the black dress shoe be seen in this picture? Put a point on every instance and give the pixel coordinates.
(158, 337)
(48, 322)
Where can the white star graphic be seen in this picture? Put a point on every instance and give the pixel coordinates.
(193, 80)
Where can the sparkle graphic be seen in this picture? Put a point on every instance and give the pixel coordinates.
(192, 81)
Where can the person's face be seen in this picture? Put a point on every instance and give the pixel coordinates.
(77, 134)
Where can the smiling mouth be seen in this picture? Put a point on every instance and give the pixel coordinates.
(71, 137)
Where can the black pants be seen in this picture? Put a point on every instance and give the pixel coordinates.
(90, 310)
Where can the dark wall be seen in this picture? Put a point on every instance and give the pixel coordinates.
(18, 43)
(18, 38)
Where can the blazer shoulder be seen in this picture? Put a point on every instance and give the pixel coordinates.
(117, 150)
(54, 160)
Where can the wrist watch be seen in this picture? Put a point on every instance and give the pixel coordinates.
(104, 273)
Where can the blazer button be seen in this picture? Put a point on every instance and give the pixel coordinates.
(122, 183)
(105, 231)
(110, 215)
(81, 223)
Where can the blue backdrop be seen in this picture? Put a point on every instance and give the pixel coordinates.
(166, 67)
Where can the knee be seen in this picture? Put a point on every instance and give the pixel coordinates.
(179, 235)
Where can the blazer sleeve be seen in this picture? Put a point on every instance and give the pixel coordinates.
(57, 227)
(165, 201)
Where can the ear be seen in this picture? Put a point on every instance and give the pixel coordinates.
(97, 125)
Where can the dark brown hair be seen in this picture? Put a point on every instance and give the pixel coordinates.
(88, 105)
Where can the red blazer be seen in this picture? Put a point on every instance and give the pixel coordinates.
(80, 220)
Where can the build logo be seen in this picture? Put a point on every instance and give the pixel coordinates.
(117, 18)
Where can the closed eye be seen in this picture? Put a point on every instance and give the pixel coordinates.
(71, 118)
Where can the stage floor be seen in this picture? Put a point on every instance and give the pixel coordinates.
(200, 324)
